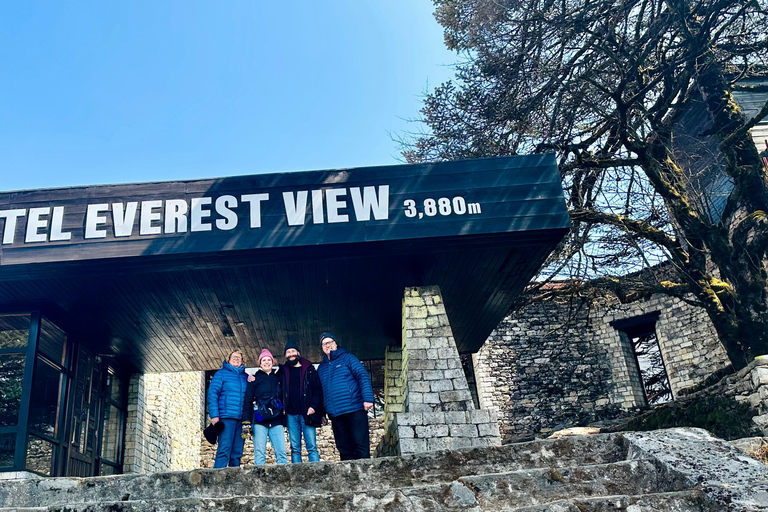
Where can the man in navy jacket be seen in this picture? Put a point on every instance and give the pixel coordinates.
(348, 396)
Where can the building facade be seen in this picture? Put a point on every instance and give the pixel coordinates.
(145, 286)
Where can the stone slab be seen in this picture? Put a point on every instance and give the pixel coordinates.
(729, 478)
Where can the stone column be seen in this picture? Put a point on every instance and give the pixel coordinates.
(428, 402)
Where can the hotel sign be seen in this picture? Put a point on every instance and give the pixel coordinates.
(464, 198)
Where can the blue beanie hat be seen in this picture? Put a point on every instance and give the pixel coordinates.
(328, 335)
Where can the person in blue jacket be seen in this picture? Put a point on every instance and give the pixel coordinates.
(347, 396)
(225, 404)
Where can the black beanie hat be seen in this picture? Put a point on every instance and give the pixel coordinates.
(291, 343)
(328, 335)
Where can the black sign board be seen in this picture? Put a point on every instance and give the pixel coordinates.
(282, 210)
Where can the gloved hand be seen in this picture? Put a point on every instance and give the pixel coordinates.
(246, 430)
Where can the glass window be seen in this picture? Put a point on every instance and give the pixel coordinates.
(39, 456)
(44, 405)
(110, 440)
(14, 331)
(52, 341)
(115, 386)
(7, 449)
(11, 375)
(106, 469)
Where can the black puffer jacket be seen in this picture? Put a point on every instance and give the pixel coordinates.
(265, 386)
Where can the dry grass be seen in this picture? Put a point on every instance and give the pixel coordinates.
(760, 454)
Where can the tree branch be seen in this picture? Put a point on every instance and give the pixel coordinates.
(639, 228)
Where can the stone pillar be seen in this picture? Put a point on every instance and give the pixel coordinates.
(428, 402)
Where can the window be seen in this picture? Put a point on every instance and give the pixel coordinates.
(11, 376)
(651, 365)
(52, 342)
(45, 403)
(14, 334)
(113, 424)
(46, 390)
(7, 450)
(375, 368)
(639, 336)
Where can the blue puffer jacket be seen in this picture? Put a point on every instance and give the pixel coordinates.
(227, 391)
(346, 383)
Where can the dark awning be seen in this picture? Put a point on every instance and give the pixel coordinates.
(172, 275)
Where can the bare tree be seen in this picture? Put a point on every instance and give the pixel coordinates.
(607, 86)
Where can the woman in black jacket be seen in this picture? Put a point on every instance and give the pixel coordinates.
(263, 408)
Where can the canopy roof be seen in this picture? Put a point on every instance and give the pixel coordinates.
(171, 276)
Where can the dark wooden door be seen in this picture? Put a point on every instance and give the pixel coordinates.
(84, 418)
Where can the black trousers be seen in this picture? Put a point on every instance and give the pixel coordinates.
(350, 431)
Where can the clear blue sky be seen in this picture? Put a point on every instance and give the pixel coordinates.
(112, 92)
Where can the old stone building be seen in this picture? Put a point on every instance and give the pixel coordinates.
(561, 363)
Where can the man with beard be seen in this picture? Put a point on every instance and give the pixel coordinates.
(304, 402)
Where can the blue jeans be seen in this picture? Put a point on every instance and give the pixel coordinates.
(276, 437)
(230, 443)
(297, 427)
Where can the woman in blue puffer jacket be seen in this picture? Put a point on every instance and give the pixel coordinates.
(225, 405)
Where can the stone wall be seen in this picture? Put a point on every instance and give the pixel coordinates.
(39, 456)
(434, 377)
(164, 422)
(755, 391)
(556, 364)
(710, 408)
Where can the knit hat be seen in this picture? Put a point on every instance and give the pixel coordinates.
(266, 353)
(328, 335)
(212, 432)
(291, 343)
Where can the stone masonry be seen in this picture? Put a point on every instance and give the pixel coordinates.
(164, 423)
(428, 403)
(748, 385)
(675, 470)
(557, 363)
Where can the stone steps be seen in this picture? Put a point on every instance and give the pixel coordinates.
(680, 470)
(366, 475)
(453, 496)
(392, 501)
(493, 491)
(680, 501)
(530, 487)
